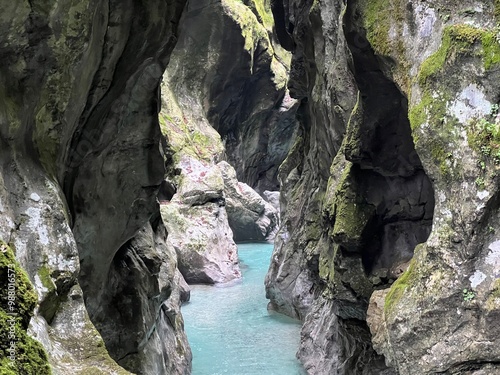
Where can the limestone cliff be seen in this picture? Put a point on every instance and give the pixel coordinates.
(398, 143)
(205, 207)
(382, 133)
(80, 169)
(228, 71)
(82, 160)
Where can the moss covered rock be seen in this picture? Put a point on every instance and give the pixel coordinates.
(19, 353)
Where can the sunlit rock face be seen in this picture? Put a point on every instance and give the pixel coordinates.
(229, 71)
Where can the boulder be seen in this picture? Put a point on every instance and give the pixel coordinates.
(250, 217)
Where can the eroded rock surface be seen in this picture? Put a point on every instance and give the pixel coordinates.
(204, 206)
(80, 169)
(198, 227)
(447, 298)
(398, 119)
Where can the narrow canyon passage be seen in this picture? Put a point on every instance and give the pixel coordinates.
(230, 330)
(140, 141)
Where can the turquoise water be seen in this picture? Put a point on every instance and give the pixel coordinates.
(230, 330)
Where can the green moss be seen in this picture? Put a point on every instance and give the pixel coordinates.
(51, 301)
(440, 156)
(313, 225)
(495, 293)
(44, 273)
(483, 136)
(384, 21)
(491, 48)
(30, 357)
(456, 39)
(6, 368)
(351, 212)
(251, 29)
(398, 288)
(327, 264)
(378, 17)
(173, 218)
(493, 301)
(431, 110)
(262, 10)
(419, 113)
(497, 10)
(351, 218)
(26, 297)
(461, 40)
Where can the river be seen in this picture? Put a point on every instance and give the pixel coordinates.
(230, 330)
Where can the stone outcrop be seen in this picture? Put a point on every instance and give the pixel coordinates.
(197, 223)
(385, 144)
(398, 123)
(204, 207)
(20, 353)
(79, 179)
(439, 315)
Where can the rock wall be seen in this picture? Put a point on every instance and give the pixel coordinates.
(224, 74)
(385, 143)
(80, 169)
(397, 144)
(228, 71)
(450, 291)
(204, 206)
(250, 216)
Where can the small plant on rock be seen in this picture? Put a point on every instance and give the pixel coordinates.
(468, 295)
(480, 182)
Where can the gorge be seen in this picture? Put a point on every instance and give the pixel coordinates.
(141, 140)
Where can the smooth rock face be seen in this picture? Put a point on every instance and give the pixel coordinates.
(250, 217)
(80, 169)
(440, 315)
